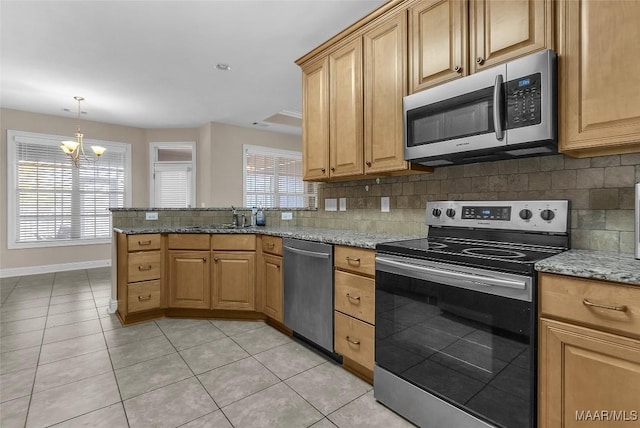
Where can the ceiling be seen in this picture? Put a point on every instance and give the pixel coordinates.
(152, 64)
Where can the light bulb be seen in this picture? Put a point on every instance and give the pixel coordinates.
(70, 145)
(98, 150)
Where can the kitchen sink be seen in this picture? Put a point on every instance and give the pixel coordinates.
(212, 226)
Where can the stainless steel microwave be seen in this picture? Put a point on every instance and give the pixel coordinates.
(504, 112)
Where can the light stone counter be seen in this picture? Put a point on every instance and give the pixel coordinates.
(329, 236)
(610, 266)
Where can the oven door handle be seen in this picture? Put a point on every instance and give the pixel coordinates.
(477, 279)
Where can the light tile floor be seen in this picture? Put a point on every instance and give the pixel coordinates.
(65, 362)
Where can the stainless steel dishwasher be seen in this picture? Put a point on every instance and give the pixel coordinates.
(308, 290)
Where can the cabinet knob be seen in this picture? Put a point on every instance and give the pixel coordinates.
(204, 259)
(457, 69)
(215, 259)
(323, 170)
(143, 298)
(480, 60)
(368, 163)
(333, 168)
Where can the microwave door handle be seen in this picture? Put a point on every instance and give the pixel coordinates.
(498, 106)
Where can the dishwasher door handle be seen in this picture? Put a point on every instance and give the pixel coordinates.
(308, 253)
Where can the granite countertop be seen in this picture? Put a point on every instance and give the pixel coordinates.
(610, 266)
(329, 236)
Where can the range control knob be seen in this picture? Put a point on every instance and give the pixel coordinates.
(451, 212)
(526, 214)
(436, 212)
(547, 215)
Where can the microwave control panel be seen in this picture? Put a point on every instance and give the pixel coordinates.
(523, 101)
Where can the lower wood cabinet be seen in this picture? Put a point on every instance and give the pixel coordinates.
(354, 339)
(589, 353)
(272, 280)
(189, 285)
(234, 280)
(143, 296)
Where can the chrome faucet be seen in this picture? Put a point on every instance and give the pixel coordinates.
(234, 212)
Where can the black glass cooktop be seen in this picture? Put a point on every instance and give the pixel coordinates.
(478, 253)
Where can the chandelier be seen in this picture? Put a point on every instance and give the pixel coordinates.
(75, 149)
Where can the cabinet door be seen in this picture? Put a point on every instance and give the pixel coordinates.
(315, 120)
(234, 280)
(582, 371)
(438, 42)
(384, 86)
(272, 280)
(189, 285)
(345, 106)
(501, 30)
(599, 79)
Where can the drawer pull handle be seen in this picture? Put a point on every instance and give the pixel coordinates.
(350, 259)
(144, 242)
(147, 267)
(270, 244)
(356, 298)
(622, 308)
(353, 342)
(143, 298)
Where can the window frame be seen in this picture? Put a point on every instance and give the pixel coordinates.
(153, 159)
(12, 179)
(267, 151)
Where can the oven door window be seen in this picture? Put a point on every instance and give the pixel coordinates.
(469, 348)
(458, 117)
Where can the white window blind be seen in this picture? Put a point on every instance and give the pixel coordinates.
(273, 179)
(51, 202)
(172, 185)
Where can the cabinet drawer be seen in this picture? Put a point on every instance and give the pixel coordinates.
(143, 266)
(143, 296)
(576, 300)
(356, 260)
(233, 242)
(188, 241)
(144, 242)
(272, 245)
(354, 340)
(355, 295)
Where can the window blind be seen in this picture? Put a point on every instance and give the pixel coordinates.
(273, 179)
(55, 202)
(172, 185)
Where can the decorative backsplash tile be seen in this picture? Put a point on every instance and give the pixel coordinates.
(600, 190)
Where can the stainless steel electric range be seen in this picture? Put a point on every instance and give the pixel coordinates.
(456, 313)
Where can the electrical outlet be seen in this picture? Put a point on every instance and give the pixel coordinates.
(286, 216)
(331, 204)
(384, 204)
(151, 216)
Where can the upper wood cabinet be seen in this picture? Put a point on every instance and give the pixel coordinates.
(345, 110)
(437, 42)
(444, 46)
(352, 104)
(599, 81)
(315, 119)
(500, 30)
(385, 83)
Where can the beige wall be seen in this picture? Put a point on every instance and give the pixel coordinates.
(225, 185)
(218, 169)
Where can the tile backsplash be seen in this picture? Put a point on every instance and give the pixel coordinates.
(601, 191)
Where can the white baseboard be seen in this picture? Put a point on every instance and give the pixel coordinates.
(33, 270)
(113, 306)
